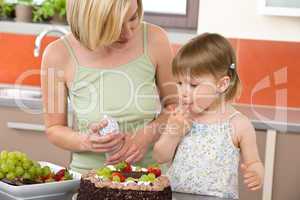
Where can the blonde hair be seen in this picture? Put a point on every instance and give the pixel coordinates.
(97, 23)
(212, 54)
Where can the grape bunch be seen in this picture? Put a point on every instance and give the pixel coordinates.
(17, 166)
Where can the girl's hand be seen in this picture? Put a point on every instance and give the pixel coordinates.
(94, 142)
(133, 150)
(253, 175)
(178, 123)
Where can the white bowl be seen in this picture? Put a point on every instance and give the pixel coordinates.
(75, 196)
(44, 189)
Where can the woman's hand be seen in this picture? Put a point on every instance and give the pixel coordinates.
(94, 142)
(134, 150)
(253, 175)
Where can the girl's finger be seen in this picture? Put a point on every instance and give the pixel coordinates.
(253, 184)
(171, 108)
(249, 174)
(255, 188)
(243, 168)
(251, 179)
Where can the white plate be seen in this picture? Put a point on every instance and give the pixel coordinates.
(44, 189)
(75, 196)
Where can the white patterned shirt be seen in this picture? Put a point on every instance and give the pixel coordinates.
(207, 161)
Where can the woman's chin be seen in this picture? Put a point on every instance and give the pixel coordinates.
(120, 44)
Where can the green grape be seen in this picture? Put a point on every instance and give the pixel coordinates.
(27, 164)
(4, 168)
(36, 164)
(105, 172)
(23, 157)
(144, 178)
(26, 176)
(2, 175)
(19, 164)
(39, 171)
(12, 156)
(152, 177)
(11, 167)
(130, 179)
(46, 171)
(10, 176)
(19, 171)
(18, 155)
(120, 166)
(4, 155)
(11, 162)
(32, 171)
(116, 179)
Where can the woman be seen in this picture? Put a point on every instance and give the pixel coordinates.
(110, 64)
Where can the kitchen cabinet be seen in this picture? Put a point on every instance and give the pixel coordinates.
(286, 176)
(23, 131)
(287, 167)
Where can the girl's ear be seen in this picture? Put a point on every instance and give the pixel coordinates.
(223, 84)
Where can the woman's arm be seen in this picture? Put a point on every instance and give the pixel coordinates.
(252, 166)
(161, 55)
(54, 92)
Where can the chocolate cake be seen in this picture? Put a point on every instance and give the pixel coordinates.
(124, 182)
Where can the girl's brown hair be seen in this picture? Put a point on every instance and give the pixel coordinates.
(212, 54)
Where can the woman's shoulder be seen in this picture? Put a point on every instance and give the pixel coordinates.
(157, 35)
(159, 46)
(55, 54)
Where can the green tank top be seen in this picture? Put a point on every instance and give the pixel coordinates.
(127, 93)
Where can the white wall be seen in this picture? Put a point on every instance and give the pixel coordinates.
(240, 19)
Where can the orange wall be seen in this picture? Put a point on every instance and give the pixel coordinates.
(273, 66)
(16, 57)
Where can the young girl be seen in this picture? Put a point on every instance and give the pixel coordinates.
(205, 134)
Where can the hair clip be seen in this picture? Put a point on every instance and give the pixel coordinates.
(232, 66)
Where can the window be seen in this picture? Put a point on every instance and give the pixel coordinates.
(172, 13)
(280, 7)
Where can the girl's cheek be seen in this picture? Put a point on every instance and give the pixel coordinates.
(203, 103)
(204, 100)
